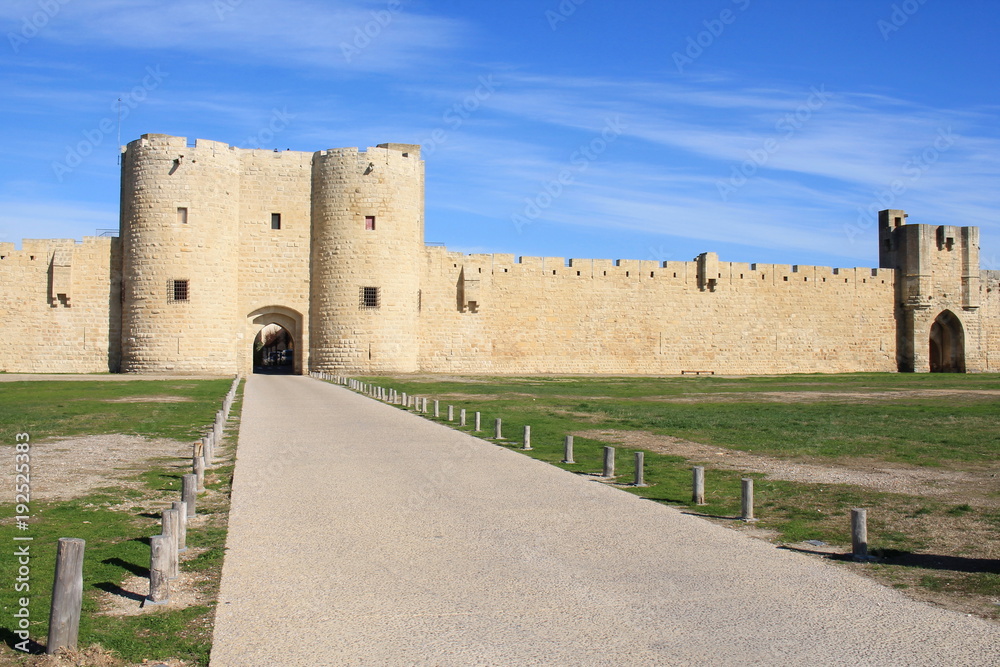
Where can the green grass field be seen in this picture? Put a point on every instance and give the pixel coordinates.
(117, 521)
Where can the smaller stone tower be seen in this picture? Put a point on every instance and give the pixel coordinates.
(937, 290)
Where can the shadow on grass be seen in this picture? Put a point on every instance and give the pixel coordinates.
(115, 589)
(729, 517)
(910, 559)
(137, 570)
(10, 639)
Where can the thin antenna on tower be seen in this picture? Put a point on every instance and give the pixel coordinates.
(119, 131)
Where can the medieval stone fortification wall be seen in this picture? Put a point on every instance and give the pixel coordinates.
(60, 304)
(218, 242)
(990, 286)
(493, 314)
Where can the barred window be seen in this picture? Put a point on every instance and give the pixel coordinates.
(177, 290)
(370, 298)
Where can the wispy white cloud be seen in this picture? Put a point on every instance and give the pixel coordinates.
(829, 158)
(340, 35)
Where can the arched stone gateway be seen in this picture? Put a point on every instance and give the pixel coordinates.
(947, 344)
(288, 319)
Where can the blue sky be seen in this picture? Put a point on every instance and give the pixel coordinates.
(764, 131)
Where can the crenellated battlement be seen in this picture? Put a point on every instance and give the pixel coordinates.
(668, 271)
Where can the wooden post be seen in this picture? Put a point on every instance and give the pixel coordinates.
(859, 534)
(698, 484)
(437, 409)
(451, 413)
(198, 466)
(189, 493)
(182, 521)
(747, 504)
(171, 528)
(527, 438)
(609, 462)
(67, 595)
(497, 429)
(479, 421)
(406, 401)
(461, 417)
(159, 569)
(206, 450)
(568, 450)
(640, 463)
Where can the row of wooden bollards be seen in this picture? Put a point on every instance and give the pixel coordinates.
(67, 589)
(165, 548)
(859, 517)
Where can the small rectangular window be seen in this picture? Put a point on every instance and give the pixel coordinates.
(370, 223)
(275, 221)
(182, 215)
(177, 290)
(370, 298)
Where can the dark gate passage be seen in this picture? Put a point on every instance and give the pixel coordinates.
(274, 351)
(947, 344)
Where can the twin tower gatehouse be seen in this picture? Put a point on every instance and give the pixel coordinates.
(218, 242)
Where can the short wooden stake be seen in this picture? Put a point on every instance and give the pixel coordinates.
(189, 493)
(171, 528)
(698, 485)
(497, 429)
(527, 438)
(568, 450)
(640, 462)
(182, 521)
(479, 421)
(451, 413)
(747, 504)
(609, 462)
(198, 466)
(206, 450)
(461, 417)
(859, 534)
(159, 569)
(67, 595)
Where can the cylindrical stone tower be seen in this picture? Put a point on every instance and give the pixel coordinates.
(367, 243)
(180, 236)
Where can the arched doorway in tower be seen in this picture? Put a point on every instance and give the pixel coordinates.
(276, 341)
(274, 351)
(947, 344)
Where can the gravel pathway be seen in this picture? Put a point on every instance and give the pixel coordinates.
(361, 535)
